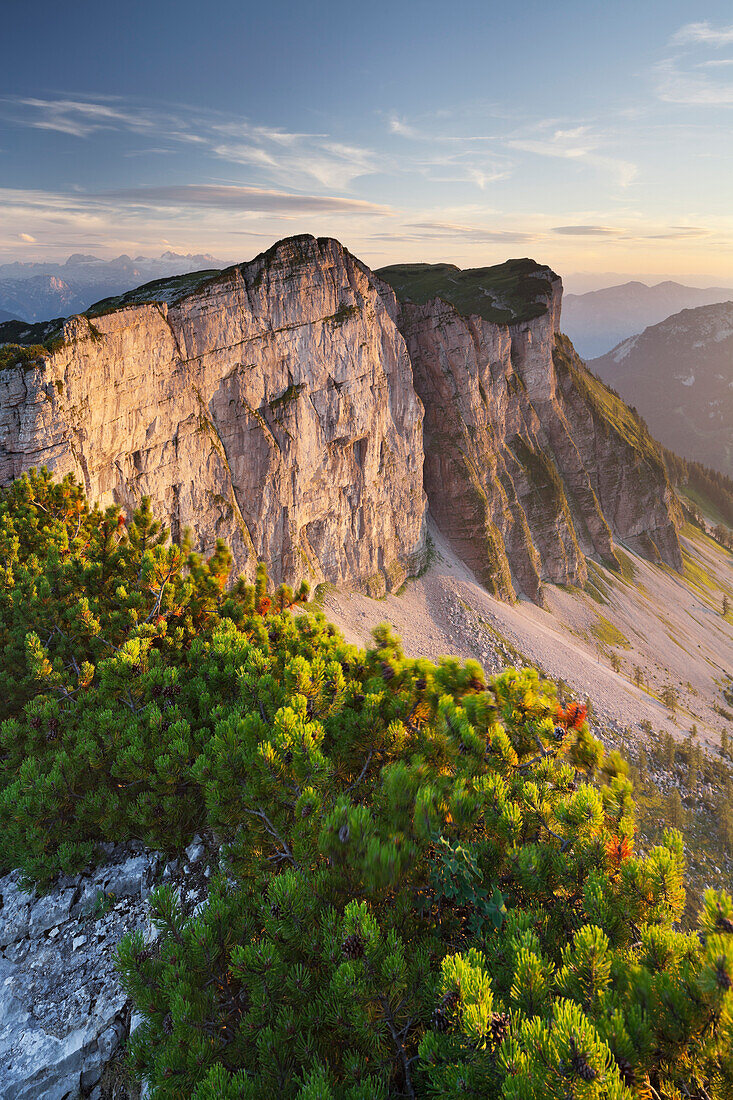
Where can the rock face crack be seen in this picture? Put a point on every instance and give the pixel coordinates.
(162, 310)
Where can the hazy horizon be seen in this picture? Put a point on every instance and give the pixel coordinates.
(574, 282)
(569, 134)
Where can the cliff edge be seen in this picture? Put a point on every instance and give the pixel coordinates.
(300, 406)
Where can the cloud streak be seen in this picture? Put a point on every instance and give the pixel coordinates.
(704, 34)
(586, 230)
(80, 118)
(276, 155)
(698, 83)
(695, 88)
(580, 144)
(231, 197)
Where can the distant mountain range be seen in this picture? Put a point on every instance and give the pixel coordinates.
(598, 320)
(679, 376)
(38, 291)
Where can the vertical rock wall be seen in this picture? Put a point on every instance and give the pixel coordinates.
(525, 472)
(279, 405)
(272, 406)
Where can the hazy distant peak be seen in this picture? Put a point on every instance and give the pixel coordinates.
(82, 258)
(679, 374)
(601, 319)
(35, 291)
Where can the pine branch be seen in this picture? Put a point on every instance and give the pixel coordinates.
(565, 841)
(270, 828)
(156, 607)
(362, 773)
(398, 1045)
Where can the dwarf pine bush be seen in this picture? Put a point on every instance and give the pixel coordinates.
(429, 886)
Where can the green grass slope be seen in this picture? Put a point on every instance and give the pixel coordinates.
(517, 290)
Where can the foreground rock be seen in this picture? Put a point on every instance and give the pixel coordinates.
(63, 1013)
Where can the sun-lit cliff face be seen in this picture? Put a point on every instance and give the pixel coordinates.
(274, 405)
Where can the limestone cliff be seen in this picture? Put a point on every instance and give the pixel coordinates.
(530, 462)
(274, 405)
(271, 405)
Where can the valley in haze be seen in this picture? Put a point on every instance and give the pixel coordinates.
(600, 319)
(679, 375)
(38, 291)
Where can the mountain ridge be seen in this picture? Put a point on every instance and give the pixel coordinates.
(679, 374)
(280, 403)
(36, 290)
(600, 319)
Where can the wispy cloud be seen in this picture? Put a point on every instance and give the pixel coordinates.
(705, 34)
(686, 79)
(230, 197)
(586, 230)
(277, 156)
(677, 233)
(274, 156)
(578, 143)
(475, 234)
(404, 129)
(635, 233)
(443, 154)
(676, 85)
(80, 118)
(326, 163)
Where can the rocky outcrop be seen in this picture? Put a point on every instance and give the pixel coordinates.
(63, 1013)
(271, 405)
(64, 1016)
(530, 463)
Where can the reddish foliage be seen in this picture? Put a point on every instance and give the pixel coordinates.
(618, 849)
(264, 605)
(573, 717)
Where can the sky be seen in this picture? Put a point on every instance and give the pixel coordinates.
(594, 136)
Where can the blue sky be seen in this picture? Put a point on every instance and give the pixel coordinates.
(596, 137)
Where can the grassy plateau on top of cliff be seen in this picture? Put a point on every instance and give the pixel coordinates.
(515, 291)
(24, 343)
(506, 293)
(160, 290)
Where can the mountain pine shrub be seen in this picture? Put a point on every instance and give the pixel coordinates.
(429, 884)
